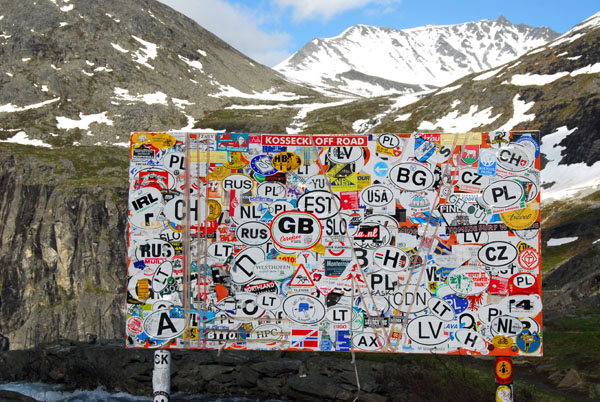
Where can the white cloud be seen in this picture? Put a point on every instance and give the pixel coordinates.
(239, 26)
(326, 9)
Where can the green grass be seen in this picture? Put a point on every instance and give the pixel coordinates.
(249, 121)
(80, 166)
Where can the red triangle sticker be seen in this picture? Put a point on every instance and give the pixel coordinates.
(301, 278)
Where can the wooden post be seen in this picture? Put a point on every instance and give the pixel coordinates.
(504, 379)
(161, 376)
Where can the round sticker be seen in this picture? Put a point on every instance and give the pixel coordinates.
(162, 140)
(286, 162)
(521, 219)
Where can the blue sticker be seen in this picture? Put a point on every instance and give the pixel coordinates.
(381, 169)
(459, 304)
(487, 162)
(342, 341)
(424, 149)
(325, 345)
(274, 149)
(233, 142)
(528, 342)
(529, 138)
(261, 164)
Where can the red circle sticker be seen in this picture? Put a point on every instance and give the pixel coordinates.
(529, 259)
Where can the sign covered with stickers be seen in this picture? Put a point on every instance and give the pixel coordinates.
(393, 243)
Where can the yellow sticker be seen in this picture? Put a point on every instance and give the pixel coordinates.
(235, 161)
(502, 342)
(319, 249)
(291, 258)
(380, 149)
(521, 219)
(349, 183)
(214, 210)
(503, 394)
(212, 156)
(364, 181)
(471, 138)
(143, 289)
(286, 162)
(162, 140)
(219, 173)
(140, 138)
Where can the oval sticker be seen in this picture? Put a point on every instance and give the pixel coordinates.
(321, 204)
(469, 280)
(286, 162)
(344, 154)
(503, 193)
(515, 158)
(376, 195)
(274, 270)
(295, 230)
(253, 233)
(411, 176)
(303, 309)
(427, 330)
(497, 253)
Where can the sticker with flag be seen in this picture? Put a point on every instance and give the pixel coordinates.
(305, 338)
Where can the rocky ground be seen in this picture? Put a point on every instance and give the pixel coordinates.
(286, 376)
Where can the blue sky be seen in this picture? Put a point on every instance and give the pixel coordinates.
(271, 30)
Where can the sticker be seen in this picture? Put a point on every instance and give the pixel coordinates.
(515, 158)
(487, 162)
(274, 270)
(523, 218)
(162, 140)
(303, 309)
(233, 142)
(497, 253)
(295, 230)
(286, 162)
(261, 164)
(504, 370)
(529, 342)
(376, 196)
(411, 176)
(504, 393)
(427, 331)
(253, 233)
(502, 342)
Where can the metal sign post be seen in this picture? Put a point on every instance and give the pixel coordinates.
(161, 376)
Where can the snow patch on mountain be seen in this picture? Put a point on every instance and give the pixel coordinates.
(453, 123)
(487, 74)
(10, 108)
(268, 95)
(536, 79)
(22, 138)
(64, 123)
(520, 115)
(561, 181)
(149, 52)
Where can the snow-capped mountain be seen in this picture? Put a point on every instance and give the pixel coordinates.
(370, 61)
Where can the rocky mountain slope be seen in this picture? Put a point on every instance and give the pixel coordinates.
(75, 71)
(371, 61)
